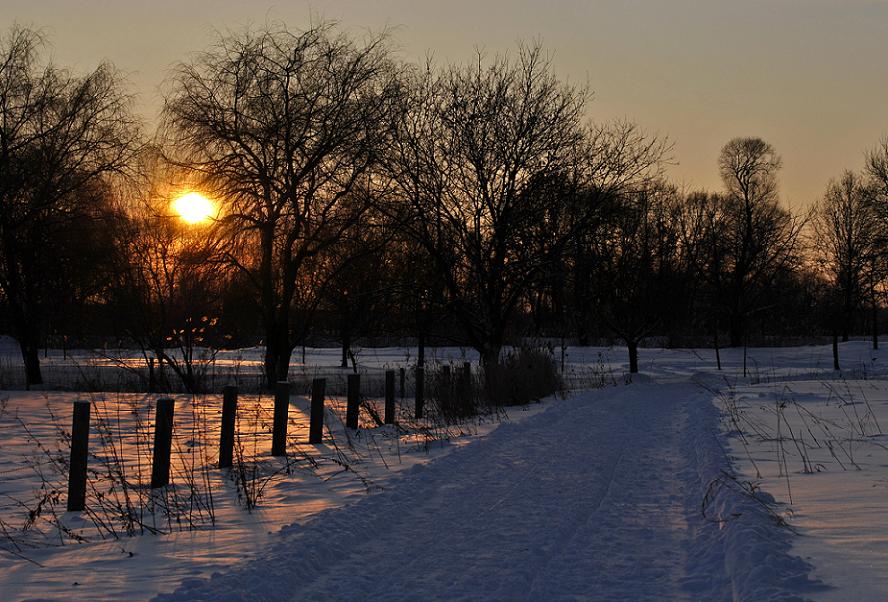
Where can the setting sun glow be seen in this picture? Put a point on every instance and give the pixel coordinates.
(194, 207)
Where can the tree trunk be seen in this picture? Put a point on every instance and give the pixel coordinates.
(275, 313)
(835, 350)
(28, 338)
(160, 379)
(277, 358)
(346, 345)
(490, 358)
(420, 360)
(270, 363)
(27, 335)
(875, 318)
(283, 364)
(31, 357)
(490, 363)
(633, 355)
(736, 331)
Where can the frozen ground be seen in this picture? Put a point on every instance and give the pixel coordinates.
(599, 496)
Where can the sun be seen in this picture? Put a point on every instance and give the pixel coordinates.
(194, 207)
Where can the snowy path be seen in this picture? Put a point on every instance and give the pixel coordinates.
(596, 498)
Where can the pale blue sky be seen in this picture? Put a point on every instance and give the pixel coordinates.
(809, 76)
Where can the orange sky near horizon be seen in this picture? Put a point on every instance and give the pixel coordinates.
(808, 76)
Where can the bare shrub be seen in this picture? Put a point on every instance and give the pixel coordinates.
(524, 375)
(454, 393)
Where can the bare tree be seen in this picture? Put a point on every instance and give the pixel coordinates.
(761, 236)
(708, 226)
(61, 136)
(578, 200)
(281, 126)
(473, 143)
(844, 230)
(165, 295)
(877, 172)
(639, 266)
(470, 144)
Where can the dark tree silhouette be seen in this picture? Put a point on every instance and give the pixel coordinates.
(166, 285)
(61, 137)
(877, 174)
(844, 229)
(471, 140)
(639, 267)
(760, 236)
(472, 143)
(281, 126)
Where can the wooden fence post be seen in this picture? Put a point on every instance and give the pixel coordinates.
(354, 400)
(389, 397)
(163, 443)
(79, 456)
(226, 436)
(281, 411)
(420, 377)
(316, 424)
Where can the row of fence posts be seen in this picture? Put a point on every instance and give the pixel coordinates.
(163, 427)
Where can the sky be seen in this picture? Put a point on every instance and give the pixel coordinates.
(808, 76)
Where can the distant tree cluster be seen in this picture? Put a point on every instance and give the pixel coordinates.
(362, 197)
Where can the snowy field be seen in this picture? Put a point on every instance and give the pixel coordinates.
(820, 448)
(127, 370)
(202, 521)
(598, 495)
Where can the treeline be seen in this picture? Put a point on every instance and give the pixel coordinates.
(360, 196)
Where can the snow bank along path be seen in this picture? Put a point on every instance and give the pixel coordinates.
(598, 497)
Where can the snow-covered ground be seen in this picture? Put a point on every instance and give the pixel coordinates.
(819, 446)
(124, 369)
(203, 519)
(595, 496)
